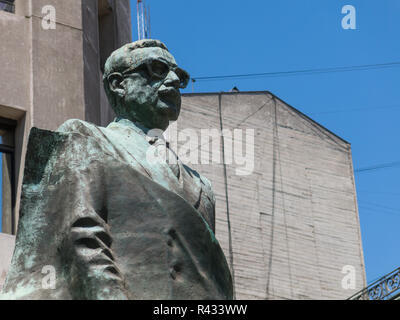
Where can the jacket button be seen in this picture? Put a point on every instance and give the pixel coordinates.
(172, 233)
(177, 268)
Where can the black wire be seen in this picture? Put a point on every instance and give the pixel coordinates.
(298, 72)
(382, 193)
(364, 209)
(378, 166)
(386, 208)
(354, 110)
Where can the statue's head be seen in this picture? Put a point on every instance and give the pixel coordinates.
(142, 82)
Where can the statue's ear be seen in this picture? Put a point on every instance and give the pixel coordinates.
(115, 83)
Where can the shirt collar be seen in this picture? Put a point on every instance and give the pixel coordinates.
(138, 128)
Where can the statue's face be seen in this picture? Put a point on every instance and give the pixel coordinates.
(150, 88)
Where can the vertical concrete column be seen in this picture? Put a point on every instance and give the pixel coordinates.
(114, 31)
(91, 59)
(106, 27)
(23, 7)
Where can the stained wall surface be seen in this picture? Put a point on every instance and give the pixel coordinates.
(288, 225)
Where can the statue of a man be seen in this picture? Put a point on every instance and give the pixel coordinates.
(98, 219)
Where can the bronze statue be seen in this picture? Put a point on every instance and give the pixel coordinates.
(111, 223)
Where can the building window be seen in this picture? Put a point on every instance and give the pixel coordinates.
(7, 5)
(7, 183)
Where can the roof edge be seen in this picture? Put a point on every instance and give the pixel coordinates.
(276, 97)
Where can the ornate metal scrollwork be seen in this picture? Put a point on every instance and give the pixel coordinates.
(383, 289)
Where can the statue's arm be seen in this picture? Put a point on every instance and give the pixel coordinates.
(94, 274)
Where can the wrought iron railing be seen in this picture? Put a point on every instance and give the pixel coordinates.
(386, 288)
(7, 5)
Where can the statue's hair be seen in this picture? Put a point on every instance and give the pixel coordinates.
(120, 60)
(146, 43)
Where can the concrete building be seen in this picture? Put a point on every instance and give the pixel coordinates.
(287, 221)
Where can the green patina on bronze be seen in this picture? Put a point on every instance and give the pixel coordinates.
(113, 224)
(36, 163)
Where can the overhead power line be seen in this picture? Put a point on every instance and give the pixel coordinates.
(355, 110)
(378, 166)
(300, 72)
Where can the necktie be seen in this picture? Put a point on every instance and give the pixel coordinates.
(164, 153)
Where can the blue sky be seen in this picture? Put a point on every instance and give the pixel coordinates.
(224, 37)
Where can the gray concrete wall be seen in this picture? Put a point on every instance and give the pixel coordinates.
(91, 60)
(290, 227)
(57, 65)
(15, 62)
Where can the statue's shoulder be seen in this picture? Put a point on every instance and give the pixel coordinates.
(45, 145)
(79, 126)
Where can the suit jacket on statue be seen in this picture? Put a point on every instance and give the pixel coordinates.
(111, 224)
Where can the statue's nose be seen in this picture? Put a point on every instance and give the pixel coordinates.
(172, 80)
